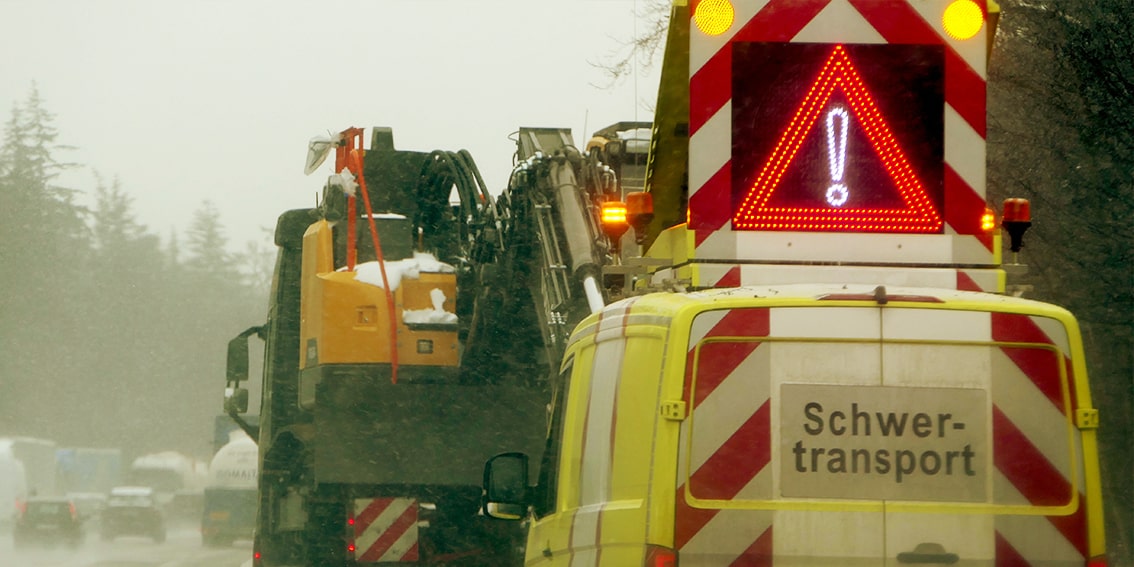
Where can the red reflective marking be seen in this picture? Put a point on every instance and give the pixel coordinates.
(727, 471)
(966, 283)
(710, 87)
(738, 460)
(919, 214)
(1026, 466)
(709, 207)
(1006, 555)
(689, 520)
(965, 92)
(1030, 471)
(369, 514)
(410, 555)
(898, 22)
(1040, 366)
(780, 20)
(730, 279)
(964, 208)
(391, 535)
(1074, 527)
(759, 554)
(718, 360)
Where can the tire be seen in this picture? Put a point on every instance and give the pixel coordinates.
(159, 537)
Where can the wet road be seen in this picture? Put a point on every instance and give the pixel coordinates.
(182, 548)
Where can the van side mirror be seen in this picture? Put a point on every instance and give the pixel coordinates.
(506, 486)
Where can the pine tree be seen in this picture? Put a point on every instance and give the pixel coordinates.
(207, 243)
(28, 169)
(113, 224)
(43, 241)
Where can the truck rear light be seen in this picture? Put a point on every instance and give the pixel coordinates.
(658, 556)
(1097, 561)
(988, 220)
(257, 559)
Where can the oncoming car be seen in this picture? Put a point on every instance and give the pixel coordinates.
(132, 511)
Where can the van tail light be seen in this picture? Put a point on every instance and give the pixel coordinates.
(74, 513)
(1097, 561)
(658, 556)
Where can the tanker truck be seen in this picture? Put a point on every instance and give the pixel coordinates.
(230, 495)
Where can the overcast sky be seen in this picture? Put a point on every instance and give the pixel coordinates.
(216, 99)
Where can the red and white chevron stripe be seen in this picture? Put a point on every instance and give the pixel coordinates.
(385, 530)
(729, 442)
(834, 21)
(1033, 405)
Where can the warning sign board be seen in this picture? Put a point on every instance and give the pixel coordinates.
(883, 443)
(813, 120)
(838, 137)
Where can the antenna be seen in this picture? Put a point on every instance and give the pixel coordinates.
(636, 54)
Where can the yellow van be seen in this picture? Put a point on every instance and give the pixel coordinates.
(825, 425)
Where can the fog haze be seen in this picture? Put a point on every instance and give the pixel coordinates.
(216, 100)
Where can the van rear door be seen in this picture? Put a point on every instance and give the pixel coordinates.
(844, 433)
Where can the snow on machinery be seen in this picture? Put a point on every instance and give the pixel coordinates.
(403, 346)
(848, 379)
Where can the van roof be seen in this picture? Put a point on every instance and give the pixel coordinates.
(662, 308)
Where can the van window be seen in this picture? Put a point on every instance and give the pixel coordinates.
(549, 465)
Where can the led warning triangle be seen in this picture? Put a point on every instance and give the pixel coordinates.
(919, 213)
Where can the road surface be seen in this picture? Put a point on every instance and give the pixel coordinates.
(182, 548)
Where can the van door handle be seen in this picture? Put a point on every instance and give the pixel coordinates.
(928, 553)
(547, 552)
